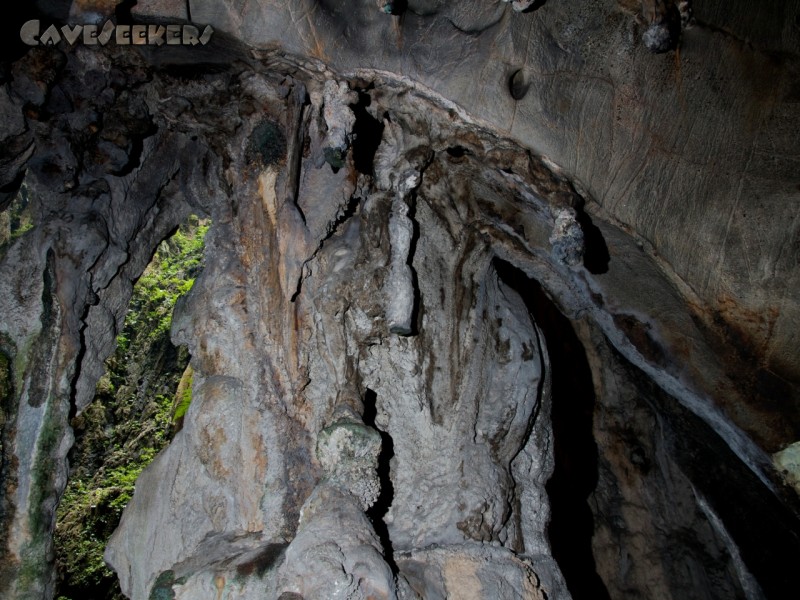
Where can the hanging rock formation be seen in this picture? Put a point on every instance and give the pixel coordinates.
(500, 298)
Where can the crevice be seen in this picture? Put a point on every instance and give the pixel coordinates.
(412, 250)
(367, 135)
(300, 113)
(302, 277)
(575, 474)
(14, 15)
(595, 255)
(135, 153)
(45, 346)
(396, 8)
(9, 192)
(349, 211)
(457, 151)
(377, 511)
(79, 357)
(534, 6)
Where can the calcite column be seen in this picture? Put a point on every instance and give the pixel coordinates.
(336, 553)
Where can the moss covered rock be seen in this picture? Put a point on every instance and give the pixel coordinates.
(130, 419)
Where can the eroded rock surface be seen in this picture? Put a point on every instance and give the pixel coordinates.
(497, 302)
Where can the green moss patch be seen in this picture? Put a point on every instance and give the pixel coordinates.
(162, 588)
(269, 142)
(129, 421)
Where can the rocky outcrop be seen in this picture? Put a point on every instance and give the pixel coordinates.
(497, 302)
(462, 402)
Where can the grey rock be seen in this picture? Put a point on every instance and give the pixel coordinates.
(348, 453)
(470, 571)
(399, 289)
(658, 38)
(522, 5)
(662, 360)
(567, 238)
(339, 120)
(335, 540)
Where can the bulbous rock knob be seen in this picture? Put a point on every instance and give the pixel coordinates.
(348, 453)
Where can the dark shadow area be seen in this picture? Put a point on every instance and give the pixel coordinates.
(262, 561)
(394, 7)
(576, 471)
(136, 148)
(518, 84)
(457, 151)
(123, 12)
(9, 191)
(15, 14)
(595, 256)
(412, 250)
(671, 19)
(349, 211)
(368, 132)
(378, 511)
(765, 530)
(194, 62)
(53, 10)
(535, 6)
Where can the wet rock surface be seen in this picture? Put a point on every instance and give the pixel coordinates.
(524, 335)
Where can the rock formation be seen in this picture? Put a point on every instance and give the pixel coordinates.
(499, 299)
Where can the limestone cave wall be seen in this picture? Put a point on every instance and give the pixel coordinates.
(500, 299)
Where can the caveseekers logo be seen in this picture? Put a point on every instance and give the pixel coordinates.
(123, 35)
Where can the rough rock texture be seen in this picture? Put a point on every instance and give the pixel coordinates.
(553, 273)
